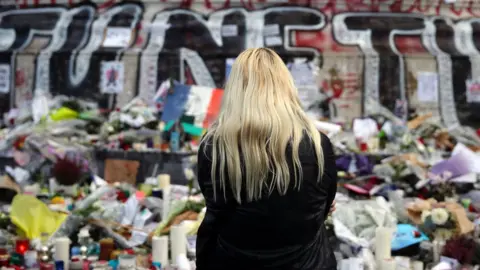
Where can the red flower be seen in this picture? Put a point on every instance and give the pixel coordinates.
(66, 172)
(20, 142)
(121, 196)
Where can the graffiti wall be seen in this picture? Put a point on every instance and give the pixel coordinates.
(420, 55)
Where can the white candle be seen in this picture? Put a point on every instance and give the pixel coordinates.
(437, 249)
(183, 263)
(417, 265)
(127, 261)
(383, 243)
(166, 202)
(160, 250)
(387, 264)
(163, 180)
(62, 250)
(178, 239)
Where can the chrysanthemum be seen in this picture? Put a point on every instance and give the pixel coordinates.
(439, 216)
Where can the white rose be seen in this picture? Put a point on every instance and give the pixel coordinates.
(439, 216)
(189, 174)
(425, 215)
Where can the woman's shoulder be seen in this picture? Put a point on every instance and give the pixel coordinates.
(325, 141)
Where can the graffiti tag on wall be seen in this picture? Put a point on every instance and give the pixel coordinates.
(190, 41)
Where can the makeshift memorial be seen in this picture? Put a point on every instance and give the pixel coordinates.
(107, 181)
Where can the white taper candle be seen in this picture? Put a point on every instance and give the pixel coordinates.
(178, 239)
(62, 250)
(160, 250)
(383, 243)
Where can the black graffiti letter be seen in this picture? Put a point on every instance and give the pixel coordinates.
(384, 74)
(18, 27)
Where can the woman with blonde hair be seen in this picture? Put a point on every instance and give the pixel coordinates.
(268, 176)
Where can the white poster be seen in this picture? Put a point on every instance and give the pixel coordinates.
(427, 87)
(117, 37)
(303, 74)
(112, 77)
(473, 91)
(4, 78)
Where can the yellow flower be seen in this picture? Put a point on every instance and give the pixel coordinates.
(57, 200)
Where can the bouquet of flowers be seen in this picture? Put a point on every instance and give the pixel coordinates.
(438, 223)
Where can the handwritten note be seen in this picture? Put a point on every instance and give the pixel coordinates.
(473, 91)
(427, 87)
(230, 30)
(117, 37)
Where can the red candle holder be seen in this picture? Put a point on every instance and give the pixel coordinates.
(22, 245)
(363, 147)
(4, 260)
(47, 266)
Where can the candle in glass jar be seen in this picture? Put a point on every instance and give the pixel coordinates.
(47, 266)
(22, 245)
(107, 246)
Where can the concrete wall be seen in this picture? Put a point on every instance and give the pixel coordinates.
(373, 48)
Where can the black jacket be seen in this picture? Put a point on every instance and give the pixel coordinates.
(277, 232)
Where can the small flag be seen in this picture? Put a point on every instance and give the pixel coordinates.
(199, 102)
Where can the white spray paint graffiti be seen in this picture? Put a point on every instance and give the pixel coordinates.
(59, 36)
(80, 62)
(255, 24)
(8, 37)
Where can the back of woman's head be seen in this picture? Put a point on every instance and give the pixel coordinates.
(260, 117)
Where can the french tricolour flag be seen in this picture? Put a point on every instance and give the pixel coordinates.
(201, 103)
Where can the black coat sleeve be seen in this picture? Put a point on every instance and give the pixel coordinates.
(216, 209)
(330, 171)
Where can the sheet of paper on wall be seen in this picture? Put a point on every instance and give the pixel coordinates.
(8, 38)
(271, 41)
(123, 171)
(427, 87)
(4, 78)
(230, 30)
(303, 75)
(271, 30)
(112, 77)
(473, 91)
(117, 37)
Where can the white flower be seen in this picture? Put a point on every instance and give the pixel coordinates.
(189, 174)
(439, 216)
(425, 215)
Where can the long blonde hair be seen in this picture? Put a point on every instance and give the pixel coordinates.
(260, 116)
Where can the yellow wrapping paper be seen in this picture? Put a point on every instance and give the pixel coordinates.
(33, 217)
